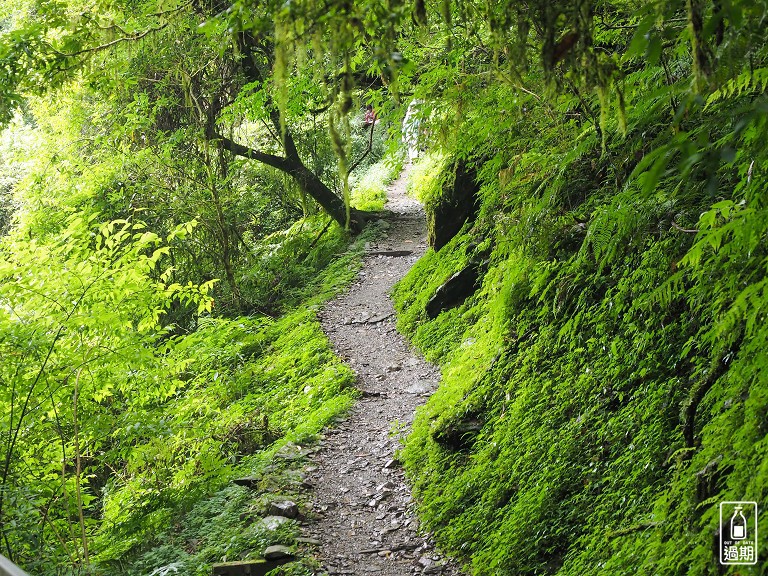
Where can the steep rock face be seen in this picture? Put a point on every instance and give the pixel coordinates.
(456, 204)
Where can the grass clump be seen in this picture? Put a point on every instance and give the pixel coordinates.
(369, 191)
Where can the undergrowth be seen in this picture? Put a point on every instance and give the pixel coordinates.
(369, 191)
(603, 390)
(255, 387)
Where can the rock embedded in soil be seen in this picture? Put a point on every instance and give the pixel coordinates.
(248, 481)
(284, 508)
(277, 552)
(272, 523)
(454, 291)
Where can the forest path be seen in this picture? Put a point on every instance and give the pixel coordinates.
(366, 520)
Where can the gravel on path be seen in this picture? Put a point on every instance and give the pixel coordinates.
(366, 519)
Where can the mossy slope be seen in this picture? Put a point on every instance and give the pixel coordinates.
(601, 391)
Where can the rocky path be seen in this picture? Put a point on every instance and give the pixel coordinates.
(366, 522)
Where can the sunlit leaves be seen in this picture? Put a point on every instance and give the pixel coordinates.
(79, 322)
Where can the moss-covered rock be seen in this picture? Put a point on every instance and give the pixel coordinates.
(454, 205)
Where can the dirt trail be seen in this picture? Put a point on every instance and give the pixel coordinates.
(367, 525)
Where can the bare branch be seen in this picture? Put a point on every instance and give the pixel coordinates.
(356, 163)
(240, 150)
(676, 226)
(114, 42)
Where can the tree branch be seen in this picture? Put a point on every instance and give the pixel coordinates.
(114, 42)
(367, 151)
(239, 150)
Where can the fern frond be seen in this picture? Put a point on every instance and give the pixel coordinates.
(745, 83)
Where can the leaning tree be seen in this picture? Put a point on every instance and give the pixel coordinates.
(252, 57)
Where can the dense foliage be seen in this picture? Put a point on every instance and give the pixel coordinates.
(165, 184)
(604, 388)
(113, 425)
(158, 335)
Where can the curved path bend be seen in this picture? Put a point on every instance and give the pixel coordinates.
(366, 519)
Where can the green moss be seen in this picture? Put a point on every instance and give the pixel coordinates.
(557, 442)
(425, 176)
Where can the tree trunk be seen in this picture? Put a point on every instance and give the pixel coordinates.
(252, 49)
(311, 185)
(307, 180)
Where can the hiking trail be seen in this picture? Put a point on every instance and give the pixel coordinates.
(366, 520)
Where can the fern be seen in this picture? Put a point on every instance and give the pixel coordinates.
(748, 82)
